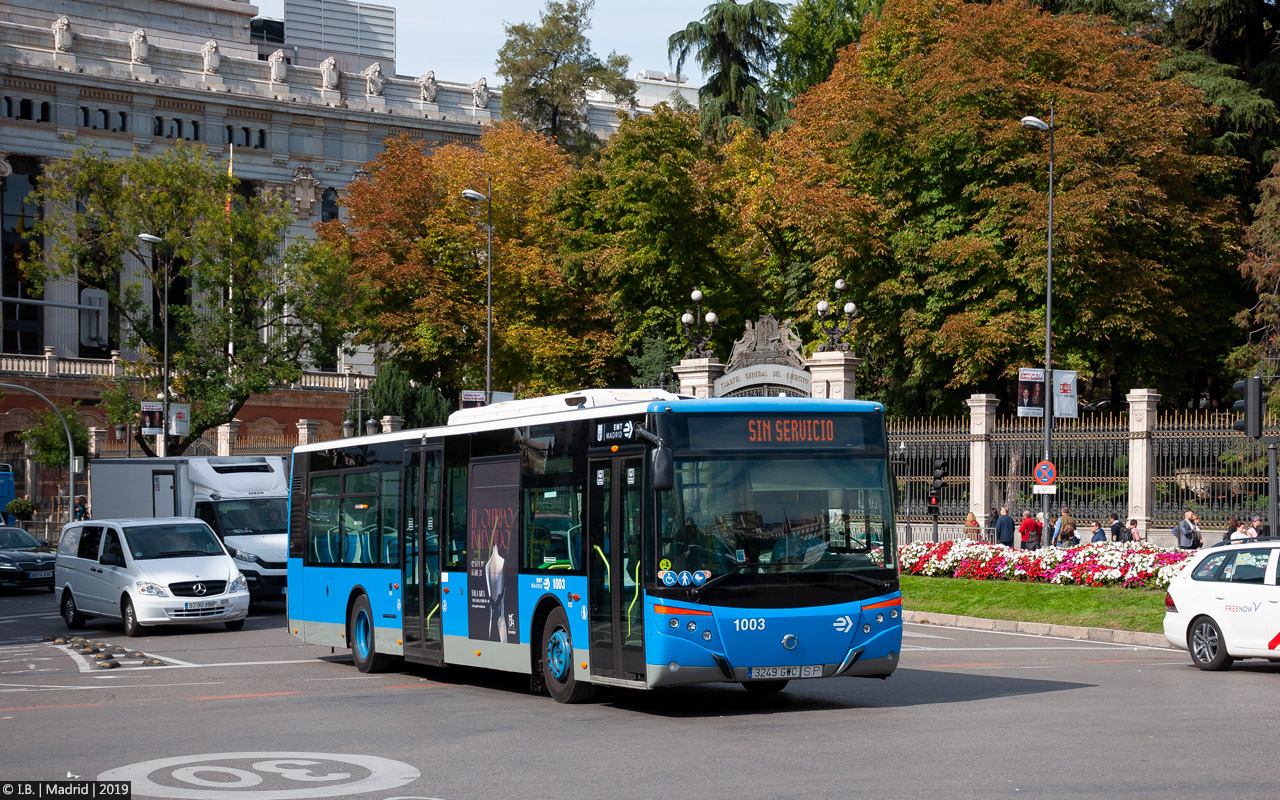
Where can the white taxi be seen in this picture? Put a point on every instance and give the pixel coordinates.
(1225, 604)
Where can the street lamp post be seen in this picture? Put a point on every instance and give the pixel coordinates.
(473, 195)
(699, 342)
(1037, 124)
(163, 441)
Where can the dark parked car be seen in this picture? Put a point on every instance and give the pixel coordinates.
(1104, 405)
(24, 560)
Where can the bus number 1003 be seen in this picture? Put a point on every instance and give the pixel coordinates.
(749, 624)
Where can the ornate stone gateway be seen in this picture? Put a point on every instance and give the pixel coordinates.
(765, 362)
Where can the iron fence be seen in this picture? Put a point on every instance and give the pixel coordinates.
(914, 444)
(1091, 455)
(1200, 462)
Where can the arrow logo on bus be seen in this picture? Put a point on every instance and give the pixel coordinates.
(843, 624)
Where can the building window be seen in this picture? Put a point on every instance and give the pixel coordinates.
(261, 142)
(23, 325)
(104, 119)
(329, 204)
(84, 116)
(195, 131)
(45, 111)
(24, 109)
(124, 121)
(158, 128)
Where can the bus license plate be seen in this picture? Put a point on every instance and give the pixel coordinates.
(48, 573)
(198, 604)
(809, 671)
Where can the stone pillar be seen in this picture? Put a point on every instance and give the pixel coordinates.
(1142, 421)
(228, 434)
(698, 375)
(308, 430)
(97, 440)
(392, 423)
(834, 374)
(982, 421)
(50, 361)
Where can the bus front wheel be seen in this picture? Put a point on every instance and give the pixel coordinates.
(557, 661)
(360, 635)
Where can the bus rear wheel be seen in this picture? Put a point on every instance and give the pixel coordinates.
(764, 687)
(557, 661)
(360, 635)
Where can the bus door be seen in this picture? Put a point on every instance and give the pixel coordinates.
(420, 555)
(615, 603)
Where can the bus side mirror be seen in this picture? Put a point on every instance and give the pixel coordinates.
(663, 470)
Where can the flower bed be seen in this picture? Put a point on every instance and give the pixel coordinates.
(1128, 564)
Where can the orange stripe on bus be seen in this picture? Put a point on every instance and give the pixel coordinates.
(897, 601)
(674, 610)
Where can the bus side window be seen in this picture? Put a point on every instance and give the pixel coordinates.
(456, 519)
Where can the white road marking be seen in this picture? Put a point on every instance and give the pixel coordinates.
(921, 648)
(305, 775)
(914, 635)
(1042, 636)
(60, 688)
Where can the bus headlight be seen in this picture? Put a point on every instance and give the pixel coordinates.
(879, 618)
(675, 623)
(866, 628)
(692, 626)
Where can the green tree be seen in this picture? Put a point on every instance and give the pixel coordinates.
(813, 35)
(548, 70)
(734, 45)
(48, 439)
(394, 392)
(910, 175)
(647, 224)
(233, 307)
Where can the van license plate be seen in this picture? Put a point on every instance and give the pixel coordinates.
(198, 604)
(808, 671)
(48, 573)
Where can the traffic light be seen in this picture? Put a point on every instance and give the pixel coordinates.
(940, 471)
(1252, 406)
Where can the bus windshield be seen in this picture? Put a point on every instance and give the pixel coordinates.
(775, 516)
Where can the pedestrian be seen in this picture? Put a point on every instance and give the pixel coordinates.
(1099, 535)
(1186, 532)
(1233, 525)
(972, 530)
(1135, 535)
(1263, 530)
(1030, 530)
(1066, 536)
(1116, 527)
(80, 510)
(1064, 519)
(1240, 534)
(1005, 527)
(992, 519)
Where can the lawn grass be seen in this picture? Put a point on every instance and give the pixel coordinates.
(1121, 609)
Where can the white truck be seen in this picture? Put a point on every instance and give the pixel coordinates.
(245, 499)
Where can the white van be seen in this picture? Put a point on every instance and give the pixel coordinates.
(170, 570)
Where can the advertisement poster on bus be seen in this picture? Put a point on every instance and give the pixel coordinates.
(493, 502)
(1031, 393)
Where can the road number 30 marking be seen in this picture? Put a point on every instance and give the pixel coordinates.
(263, 776)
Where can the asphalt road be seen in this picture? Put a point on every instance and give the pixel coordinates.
(255, 715)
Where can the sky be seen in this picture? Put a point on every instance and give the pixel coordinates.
(460, 39)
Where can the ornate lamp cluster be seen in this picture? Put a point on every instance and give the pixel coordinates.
(830, 323)
(692, 321)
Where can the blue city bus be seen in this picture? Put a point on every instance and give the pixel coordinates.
(630, 538)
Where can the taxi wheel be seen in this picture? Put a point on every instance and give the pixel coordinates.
(132, 628)
(1208, 648)
(764, 687)
(556, 657)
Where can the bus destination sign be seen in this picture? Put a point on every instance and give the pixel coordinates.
(764, 432)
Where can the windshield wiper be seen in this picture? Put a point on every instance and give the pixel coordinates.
(181, 553)
(876, 582)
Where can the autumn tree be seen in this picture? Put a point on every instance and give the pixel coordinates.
(734, 45)
(549, 69)
(220, 269)
(409, 258)
(910, 175)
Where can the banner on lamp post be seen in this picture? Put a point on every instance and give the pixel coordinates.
(1031, 393)
(152, 413)
(179, 419)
